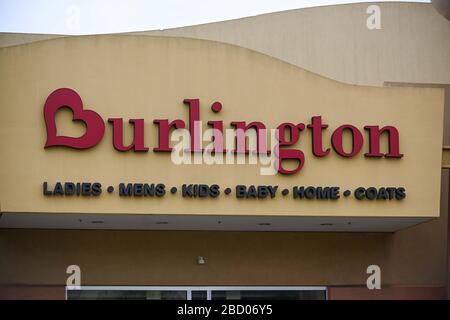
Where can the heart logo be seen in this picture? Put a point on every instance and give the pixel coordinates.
(68, 98)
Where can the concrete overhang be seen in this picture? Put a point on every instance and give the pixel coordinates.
(203, 222)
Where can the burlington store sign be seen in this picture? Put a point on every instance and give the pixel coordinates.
(176, 126)
(274, 149)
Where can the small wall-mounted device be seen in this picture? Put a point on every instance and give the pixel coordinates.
(201, 260)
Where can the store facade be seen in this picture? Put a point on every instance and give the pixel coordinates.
(173, 167)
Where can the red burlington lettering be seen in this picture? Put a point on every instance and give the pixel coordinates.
(217, 126)
(242, 130)
(337, 140)
(288, 134)
(68, 98)
(374, 142)
(138, 136)
(194, 124)
(317, 127)
(164, 128)
(289, 154)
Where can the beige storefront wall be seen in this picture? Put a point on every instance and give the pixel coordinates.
(148, 77)
(412, 48)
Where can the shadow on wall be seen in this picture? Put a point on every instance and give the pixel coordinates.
(443, 7)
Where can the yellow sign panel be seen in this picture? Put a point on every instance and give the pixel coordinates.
(340, 150)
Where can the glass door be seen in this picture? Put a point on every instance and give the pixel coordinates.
(197, 293)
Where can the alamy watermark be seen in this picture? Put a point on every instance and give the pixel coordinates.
(235, 146)
(374, 280)
(73, 281)
(73, 17)
(373, 21)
